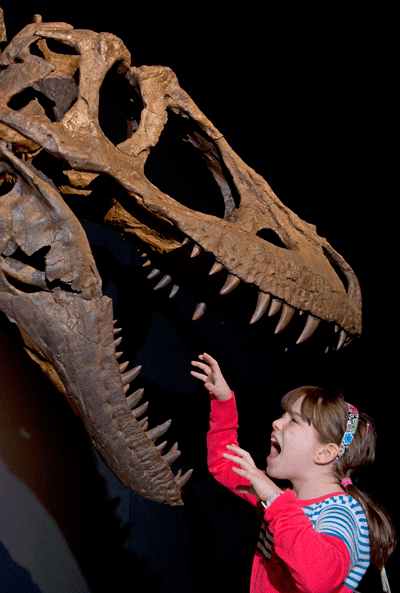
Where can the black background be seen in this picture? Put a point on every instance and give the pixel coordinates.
(304, 97)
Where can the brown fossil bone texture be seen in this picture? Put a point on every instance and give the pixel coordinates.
(49, 283)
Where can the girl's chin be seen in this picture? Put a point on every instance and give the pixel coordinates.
(272, 470)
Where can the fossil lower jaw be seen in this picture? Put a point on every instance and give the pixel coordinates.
(83, 362)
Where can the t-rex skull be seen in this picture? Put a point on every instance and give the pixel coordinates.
(49, 103)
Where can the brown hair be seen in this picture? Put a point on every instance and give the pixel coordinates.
(328, 413)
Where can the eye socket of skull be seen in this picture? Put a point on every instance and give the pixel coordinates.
(119, 107)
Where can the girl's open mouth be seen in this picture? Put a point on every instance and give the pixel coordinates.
(275, 448)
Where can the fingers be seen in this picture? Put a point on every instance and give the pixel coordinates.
(241, 458)
(260, 485)
(207, 372)
(241, 453)
(202, 366)
(211, 376)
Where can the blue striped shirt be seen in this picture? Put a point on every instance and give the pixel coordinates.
(341, 516)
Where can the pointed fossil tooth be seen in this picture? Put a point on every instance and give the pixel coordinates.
(195, 251)
(199, 311)
(231, 283)
(348, 341)
(140, 410)
(123, 366)
(144, 423)
(161, 446)
(173, 454)
(261, 307)
(163, 282)
(159, 430)
(311, 325)
(153, 274)
(276, 304)
(286, 316)
(116, 330)
(146, 263)
(181, 480)
(126, 387)
(143, 254)
(342, 339)
(133, 399)
(130, 375)
(185, 240)
(174, 291)
(118, 355)
(217, 267)
(118, 341)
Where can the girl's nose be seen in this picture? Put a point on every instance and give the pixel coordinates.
(277, 424)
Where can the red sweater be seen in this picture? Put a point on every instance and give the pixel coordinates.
(302, 559)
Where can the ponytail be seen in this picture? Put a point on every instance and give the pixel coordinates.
(361, 454)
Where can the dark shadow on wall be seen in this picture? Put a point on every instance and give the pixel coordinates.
(45, 446)
(13, 576)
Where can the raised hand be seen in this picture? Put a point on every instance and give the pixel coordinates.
(260, 485)
(211, 376)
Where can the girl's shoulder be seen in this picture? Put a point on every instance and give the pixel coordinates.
(339, 506)
(336, 498)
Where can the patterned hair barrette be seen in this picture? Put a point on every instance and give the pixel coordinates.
(351, 427)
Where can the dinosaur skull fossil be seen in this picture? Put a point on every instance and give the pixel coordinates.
(49, 105)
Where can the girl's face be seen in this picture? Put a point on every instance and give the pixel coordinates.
(294, 444)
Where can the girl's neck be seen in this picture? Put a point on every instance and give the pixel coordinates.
(311, 490)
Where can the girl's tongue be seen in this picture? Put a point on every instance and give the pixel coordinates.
(275, 449)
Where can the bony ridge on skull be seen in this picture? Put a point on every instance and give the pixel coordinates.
(49, 103)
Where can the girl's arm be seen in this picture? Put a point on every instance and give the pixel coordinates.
(223, 425)
(318, 562)
(223, 432)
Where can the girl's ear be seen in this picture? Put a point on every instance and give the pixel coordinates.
(326, 453)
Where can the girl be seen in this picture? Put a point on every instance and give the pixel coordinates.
(320, 535)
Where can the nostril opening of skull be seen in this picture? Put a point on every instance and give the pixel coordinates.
(22, 99)
(36, 260)
(271, 236)
(7, 182)
(25, 273)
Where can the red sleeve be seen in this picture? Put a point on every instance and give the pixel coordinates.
(223, 431)
(318, 562)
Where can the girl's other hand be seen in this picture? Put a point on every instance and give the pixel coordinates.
(260, 484)
(211, 376)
